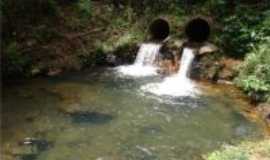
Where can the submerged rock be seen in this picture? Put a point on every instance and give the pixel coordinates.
(144, 150)
(140, 152)
(90, 117)
(151, 129)
(39, 145)
(28, 156)
(30, 148)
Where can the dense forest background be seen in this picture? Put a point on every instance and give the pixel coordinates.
(46, 37)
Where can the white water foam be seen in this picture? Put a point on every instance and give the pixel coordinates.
(178, 84)
(144, 63)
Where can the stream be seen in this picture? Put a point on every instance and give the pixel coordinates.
(99, 115)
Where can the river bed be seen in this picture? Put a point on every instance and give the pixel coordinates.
(98, 115)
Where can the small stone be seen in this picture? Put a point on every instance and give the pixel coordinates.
(111, 59)
(35, 71)
(220, 81)
(54, 72)
(31, 43)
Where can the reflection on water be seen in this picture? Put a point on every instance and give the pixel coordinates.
(101, 117)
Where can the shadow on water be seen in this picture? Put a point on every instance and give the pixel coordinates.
(90, 117)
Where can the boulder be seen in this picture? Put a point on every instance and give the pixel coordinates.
(207, 48)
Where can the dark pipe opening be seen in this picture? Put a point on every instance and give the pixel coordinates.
(197, 30)
(159, 29)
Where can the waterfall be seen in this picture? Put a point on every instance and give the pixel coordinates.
(186, 61)
(147, 54)
(179, 84)
(144, 63)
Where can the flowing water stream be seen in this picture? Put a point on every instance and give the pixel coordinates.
(178, 84)
(98, 115)
(107, 115)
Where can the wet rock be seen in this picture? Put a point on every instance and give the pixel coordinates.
(111, 59)
(54, 71)
(169, 57)
(264, 111)
(207, 48)
(206, 68)
(39, 145)
(91, 117)
(220, 81)
(173, 45)
(213, 67)
(171, 52)
(228, 71)
(124, 54)
(167, 67)
(35, 71)
(226, 74)
(30, 148)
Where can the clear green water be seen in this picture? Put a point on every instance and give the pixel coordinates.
(99, 116)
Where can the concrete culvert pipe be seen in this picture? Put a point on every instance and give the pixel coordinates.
(197, 30)
(159, 29)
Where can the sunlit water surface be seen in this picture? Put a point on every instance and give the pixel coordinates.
(100, 116)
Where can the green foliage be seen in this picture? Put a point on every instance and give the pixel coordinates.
(21, 15)
(143, 6)
(28, 8)
(125, 22)
(15, 64)
(85, 8)
(244, 151)
(229, 154)
(240, 33)
(254, 73)
(90, 59)
(252, 83)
